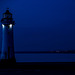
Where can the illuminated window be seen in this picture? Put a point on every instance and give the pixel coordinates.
(10, 25)
(3, 25)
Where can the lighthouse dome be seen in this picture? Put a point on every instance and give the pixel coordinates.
(7, 14)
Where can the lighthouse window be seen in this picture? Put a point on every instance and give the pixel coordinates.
(10, 25)
(3, 25)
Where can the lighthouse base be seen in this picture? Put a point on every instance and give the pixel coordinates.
(10, 61)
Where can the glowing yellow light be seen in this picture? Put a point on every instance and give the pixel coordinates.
(3, 25)
(10, 25)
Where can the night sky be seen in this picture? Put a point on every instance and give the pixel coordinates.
(42, 25)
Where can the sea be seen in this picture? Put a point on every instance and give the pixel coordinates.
(45, 57)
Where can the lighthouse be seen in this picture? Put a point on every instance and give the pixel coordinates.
(7, 52)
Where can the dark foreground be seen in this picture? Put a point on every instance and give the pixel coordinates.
(37, 68)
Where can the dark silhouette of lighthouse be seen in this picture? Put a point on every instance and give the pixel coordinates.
(7, 54)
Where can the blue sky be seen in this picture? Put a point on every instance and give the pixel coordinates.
(42, 24)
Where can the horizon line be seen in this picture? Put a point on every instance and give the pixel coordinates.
(57, 51)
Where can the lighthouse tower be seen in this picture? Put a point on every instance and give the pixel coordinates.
(7, 53)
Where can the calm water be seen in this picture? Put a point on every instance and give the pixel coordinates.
(41, 58)
(45, 57)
